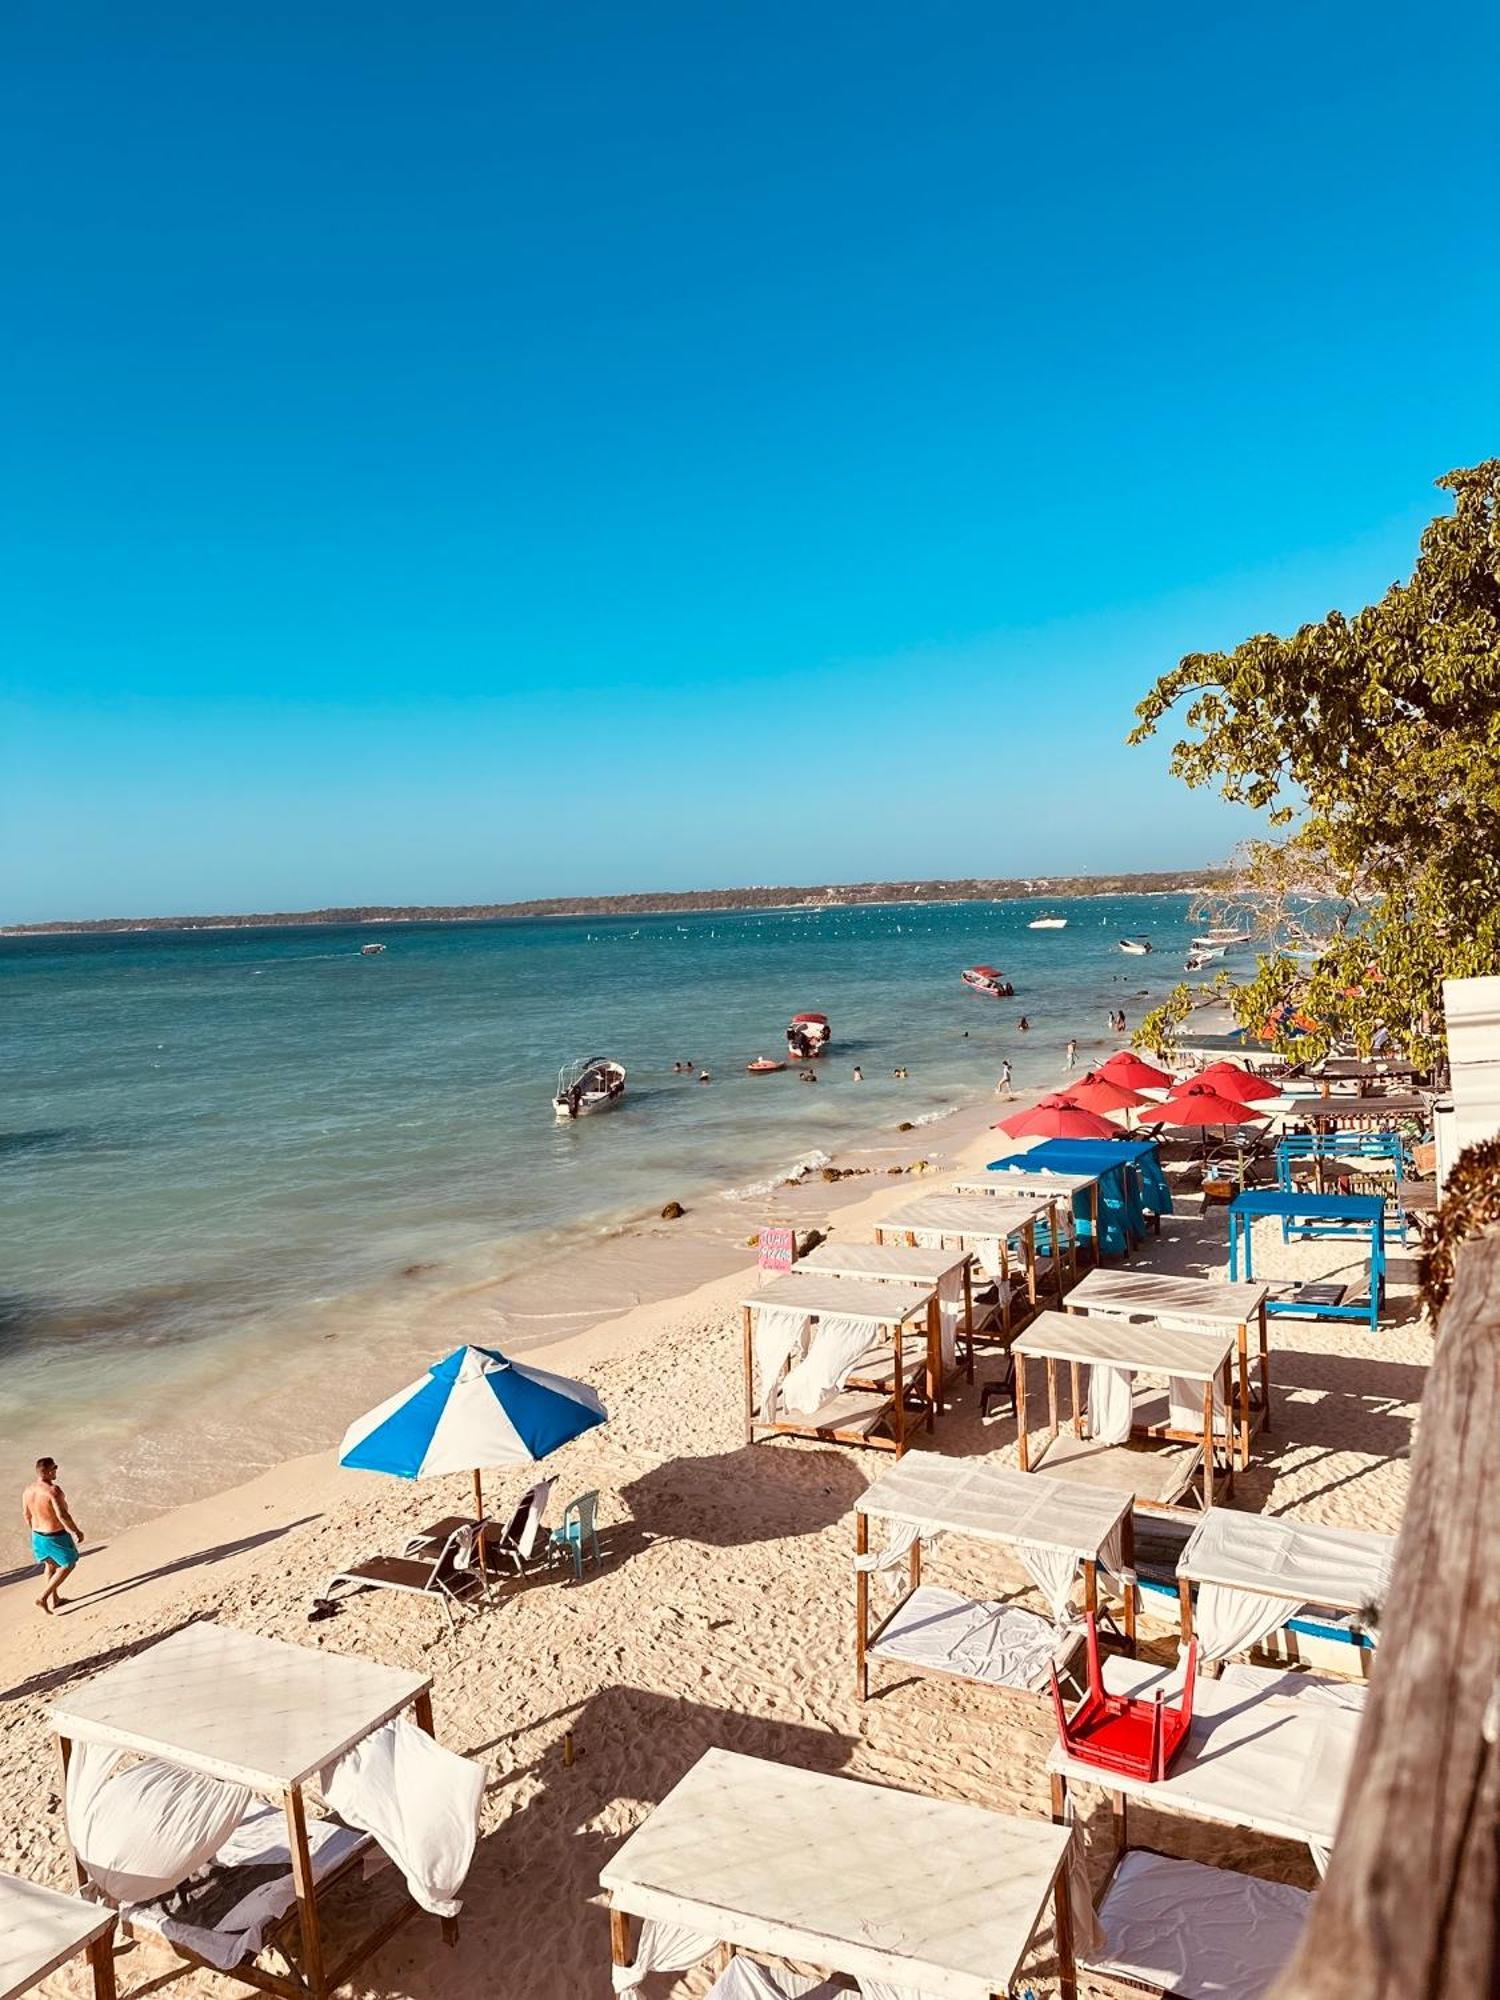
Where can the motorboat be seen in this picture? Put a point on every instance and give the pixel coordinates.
(590, 1083)
(1048, 924)
(807, 1035)
(763, 1066)
(371, 950)
(1220, 941)
(985, 979)
(1137, 947)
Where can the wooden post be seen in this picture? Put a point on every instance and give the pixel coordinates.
(935, 1383)
(1229, 1426)
(1023, 1454)
(1005, 1286)
(1127, 1554)
(1242, 1341)
(861, 1609)
(1028, 1239)
(1185, 1610)
(102, 1964)
(1067, 1968)
(1208, 1444)
(898, 1419)
(1075, 1398)
(1091, 1586)
(969, 1318)
(307, 1895)
(1052, 1422)
(619, 1937)
(914, 1564)
(1410, 1903)
(1265, 1371)
(747, 1314)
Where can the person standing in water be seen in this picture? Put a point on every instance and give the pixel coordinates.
(55, 1535)
(1002, 1088)
(1072, 1055)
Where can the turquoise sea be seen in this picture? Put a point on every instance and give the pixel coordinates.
(217, 1145)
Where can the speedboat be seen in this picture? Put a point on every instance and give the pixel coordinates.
(1137, 947)
(1220, 941)
(590, 1083)
(985, 979)
(807, 1035)
(371, 950)
(1048, 924)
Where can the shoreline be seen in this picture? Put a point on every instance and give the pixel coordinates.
(174, 1438)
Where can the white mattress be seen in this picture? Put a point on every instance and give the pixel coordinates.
(998, 1644)
(1195, 1932)
(260, 1840)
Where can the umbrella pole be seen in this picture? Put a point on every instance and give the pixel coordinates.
(479, 1517)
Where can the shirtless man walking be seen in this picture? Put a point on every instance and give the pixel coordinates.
(55, 1535)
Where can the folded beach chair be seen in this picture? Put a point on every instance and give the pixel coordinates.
(451, 1573)
(521, 1541)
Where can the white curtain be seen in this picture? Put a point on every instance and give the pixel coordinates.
(420, 1801)
(141, 1831)
(1232, 1621)
(748, 1979)
(663, 1947)
(1052, 1571)
(780, 1333)
(836, 1345)
(950, 1315)
(901, 1536)
(1089, 1940)
(1185, 1405)
(882, 1989)
(1111, 1403)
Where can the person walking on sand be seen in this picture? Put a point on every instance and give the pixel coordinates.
(1072, 1055)
(55, 1535)
(1002, 1088)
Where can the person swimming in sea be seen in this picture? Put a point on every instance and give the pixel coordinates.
(1024, 1025)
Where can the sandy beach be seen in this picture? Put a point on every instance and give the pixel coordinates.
(723, 1613)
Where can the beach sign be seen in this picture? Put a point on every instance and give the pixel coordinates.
(778, 1246)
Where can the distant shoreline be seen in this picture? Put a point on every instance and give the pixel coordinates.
(666, 903)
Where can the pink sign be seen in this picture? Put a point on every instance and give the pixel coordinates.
(778, 1246)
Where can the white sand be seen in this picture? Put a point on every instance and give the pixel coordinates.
(723, 1615)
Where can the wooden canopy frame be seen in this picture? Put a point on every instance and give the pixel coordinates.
(1212, 1301)
(1048, 1196)
(958, 1215)
(1082, 1341)
(854, 1415)
(213, 1661)
(973, 1498)
(890, 1263)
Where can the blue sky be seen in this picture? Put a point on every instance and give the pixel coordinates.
(465, 452)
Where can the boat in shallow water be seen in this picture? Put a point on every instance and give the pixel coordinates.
(1048, 924)
(986, 980)
(807, 1035)
(588, 1084)
(1137, 947)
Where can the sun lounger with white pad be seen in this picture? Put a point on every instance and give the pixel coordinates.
(836, 1358)
(1054, 1527)
(170, 1755)
(41, 1930)
(912, 1898)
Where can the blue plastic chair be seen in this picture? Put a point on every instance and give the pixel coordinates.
(576, 1530)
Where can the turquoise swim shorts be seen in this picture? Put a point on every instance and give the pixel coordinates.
(59, 1548)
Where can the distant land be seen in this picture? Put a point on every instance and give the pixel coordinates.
(673, 902)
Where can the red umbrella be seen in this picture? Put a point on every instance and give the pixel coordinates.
(1101, 1092)
(1231, 1081)
(1199, 1103)
(1056, 1117)
(1135, 1073)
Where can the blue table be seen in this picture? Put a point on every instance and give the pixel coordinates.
(1357, 1217)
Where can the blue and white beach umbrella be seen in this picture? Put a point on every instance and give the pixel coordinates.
(473, 1410)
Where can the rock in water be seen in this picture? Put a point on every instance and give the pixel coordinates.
(672, 1210)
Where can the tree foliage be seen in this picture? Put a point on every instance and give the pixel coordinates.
(1376, 738)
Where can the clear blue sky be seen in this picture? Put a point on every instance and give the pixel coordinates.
(470, 451)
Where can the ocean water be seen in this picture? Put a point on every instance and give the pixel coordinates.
(218, 1147)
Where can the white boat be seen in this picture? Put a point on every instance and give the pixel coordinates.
(1048, 924)
(591, 1083)
(1137, 947)
(1220, 940)
(371, 950)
